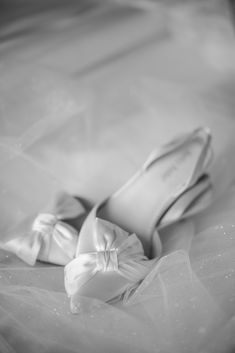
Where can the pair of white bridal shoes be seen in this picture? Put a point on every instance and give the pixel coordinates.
(119, 243)
(110, 249)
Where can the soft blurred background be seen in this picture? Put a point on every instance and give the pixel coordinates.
(89, 87)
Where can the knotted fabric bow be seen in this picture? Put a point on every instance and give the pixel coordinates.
(49, 238)
(114, 263)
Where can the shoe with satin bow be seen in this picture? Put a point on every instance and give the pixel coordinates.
(119, 242)
(49, 237)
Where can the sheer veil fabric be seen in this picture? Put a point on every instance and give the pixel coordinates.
(88, 142)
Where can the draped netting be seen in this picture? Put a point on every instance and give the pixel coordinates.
(87, 138)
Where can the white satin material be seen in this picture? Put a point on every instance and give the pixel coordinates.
(58, 240)
(49, 239)
(117, 252)
(105, 248)
(167, 184)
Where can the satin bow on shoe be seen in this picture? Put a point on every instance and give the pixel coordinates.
(114, 263)
(173, 184)
(48, 238)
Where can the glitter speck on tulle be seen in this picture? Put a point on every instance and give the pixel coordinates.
(56, 312)
(76, 309)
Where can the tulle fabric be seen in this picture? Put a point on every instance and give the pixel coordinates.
(185, 304)
(89, 147)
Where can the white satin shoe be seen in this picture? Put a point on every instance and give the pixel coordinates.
(119, 234)
(112, 265)
(171, 185)
(48, 238)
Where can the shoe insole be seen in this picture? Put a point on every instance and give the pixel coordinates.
(138, 206)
